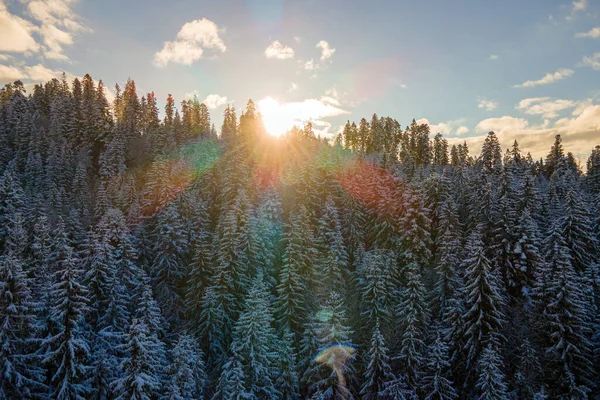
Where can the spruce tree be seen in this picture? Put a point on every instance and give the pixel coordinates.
(378, 369)
(187, 374)
(68, 351)
(483, 302)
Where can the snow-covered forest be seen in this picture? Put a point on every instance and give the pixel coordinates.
(149, 258)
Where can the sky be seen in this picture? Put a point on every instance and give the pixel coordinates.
(527, 70)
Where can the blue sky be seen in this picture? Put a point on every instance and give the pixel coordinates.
(526, 69)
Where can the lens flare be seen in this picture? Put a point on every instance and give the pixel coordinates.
(335, 357)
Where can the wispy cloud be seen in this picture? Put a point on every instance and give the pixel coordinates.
(15, 35)
(59, 24)
(213, 101)
(544, 106)
(192, 39)
(278, 51)
(493, 57)
(34, 73)
(453, 127)
(309, 65)
(488, 105)
(293, 86)
(53, 21)
(593, 33)
(10, 74)
(326, 50)
(577, 6)
(592, 61)
(548, 78)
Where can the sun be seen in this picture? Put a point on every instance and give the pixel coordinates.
(277, 119)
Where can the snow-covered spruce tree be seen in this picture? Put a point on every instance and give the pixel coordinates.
(255, 342)
(398, 389)
(527, 255)
(436, 382)
(332, 256)
(527, 373)
(491, 383)
(564, 321)
(143, 367)
(287, 380)
(168, 267)
(212, 328)
(376, 282)
(378, 369)
(231, 385)
(577, 229)
(266, 226)
(230, 276)
(447, 259)
(67, 349)
(296, 273)
(187, 372)
(307, 350)
(502, 239)
(22, 376)
(333, 330)
(198, 276)
(483, 301)
(416, 240)
(12, 199)
(413, 317)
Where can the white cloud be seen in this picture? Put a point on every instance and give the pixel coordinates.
(548, 78)
(544, 106)
(309, 65)
(15, 32)
(297, 39)
(593, 33)
(6, 57)
(447, 128)
(579, 132)
(58, 25)
(501, 124)
(293, 86)
(593, 61)
(10, 74)
(281, 117)
(488, 105)
(33, 74)
(577, 6)
(178, 52)
(39, 73)
(403, 86)
(278, 51)
(213, 101)
(191, 95)
(192, 39)
(326, 50)
(55, 38)
(462, 130)
(493, 57)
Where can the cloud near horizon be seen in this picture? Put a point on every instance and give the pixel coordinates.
(579, 133)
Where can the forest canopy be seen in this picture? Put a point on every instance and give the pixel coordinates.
(146, 257)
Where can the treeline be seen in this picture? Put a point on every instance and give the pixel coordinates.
(147, 258)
